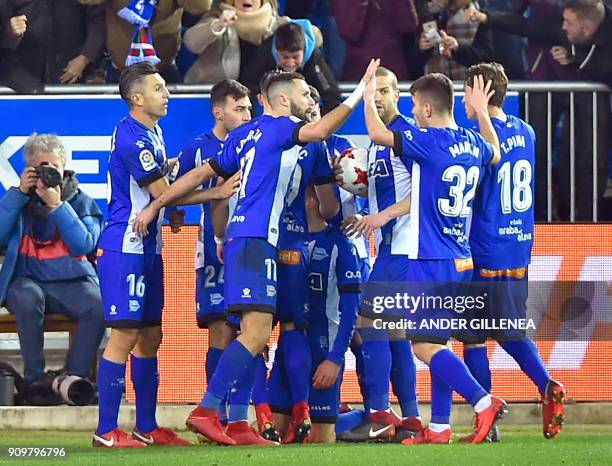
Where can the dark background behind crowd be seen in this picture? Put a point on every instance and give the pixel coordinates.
(203, 41)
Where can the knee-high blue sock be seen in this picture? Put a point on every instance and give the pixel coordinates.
(360, 369)
(232, 364)
(377, 362)
(145, 378)
(450, 369)
(212, 359)
(526, 354)
(260, 392)
(441, 400)
(403, 377)
(298, 362)
(478, 363)
(240, 395)
(111, 386)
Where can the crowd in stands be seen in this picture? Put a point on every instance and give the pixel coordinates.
(204, 41)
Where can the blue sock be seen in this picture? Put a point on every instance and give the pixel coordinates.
(350, 420)
(298, 362)
(145, 378)
(451, 370)
(111, 386)
(360, 369)
(232, 364)
(377, 362)
(212, 359)
(526, 354)
(441, 400)
(478, 363)
(403, 377)
(260, 394)
(240, 395)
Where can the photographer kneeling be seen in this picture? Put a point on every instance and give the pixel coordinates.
(49, 227)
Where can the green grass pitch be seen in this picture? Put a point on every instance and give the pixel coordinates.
(578, 444)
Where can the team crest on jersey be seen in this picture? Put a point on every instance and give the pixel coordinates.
(146, 160)
(318, 254)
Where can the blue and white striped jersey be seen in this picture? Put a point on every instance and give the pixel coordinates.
(194, 155)
(137, 158)
(389, 182)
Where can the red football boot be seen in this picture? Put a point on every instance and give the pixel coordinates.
(553, 411)
(265, 422)
(115, 439)
(412, 423)
(344, 408)
(161, 436)
(205, 422)
(243, 434)
(483, 421)
(299, 428)
(429, 436)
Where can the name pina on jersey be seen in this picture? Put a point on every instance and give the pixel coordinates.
(516, 140)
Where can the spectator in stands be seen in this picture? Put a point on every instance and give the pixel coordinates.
(49, 227)
(321, 14)
(226, 38)
(580, 41)
(165, 28)
(295, 47)
(508, 48)
(49, 42)
(375, 28)
(453, 43)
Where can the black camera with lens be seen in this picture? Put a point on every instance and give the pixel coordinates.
(49, 175)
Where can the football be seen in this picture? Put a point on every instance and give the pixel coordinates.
(354, 163)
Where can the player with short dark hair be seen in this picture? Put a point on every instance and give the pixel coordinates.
(130, 265)
(265, 152)
(503, 204)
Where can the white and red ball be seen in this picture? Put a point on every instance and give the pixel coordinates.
(354, 163)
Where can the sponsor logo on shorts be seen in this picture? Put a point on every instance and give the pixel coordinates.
(271, 290)
(133, 305)
(113, 310)
(461, 265)
(351, 274)
(217, 298)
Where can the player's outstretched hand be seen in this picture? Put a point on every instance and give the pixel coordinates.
(229, 187)
(337, 168)
(325, 375)
(479, 94)
(364, 225)
(142, 220)
(371, 70)
(177, 220)
(370, 91)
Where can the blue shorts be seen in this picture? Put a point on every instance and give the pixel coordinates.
(132, 288)
(323, 402)
(250, 275)
(210, 305)
(388, 271)
(443, 286)
(292, 304)
(364, 268)
(505, 299)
